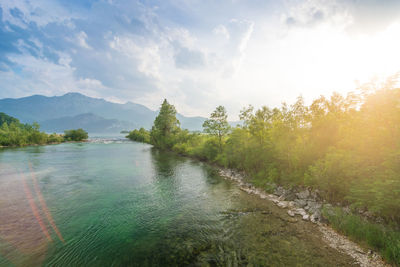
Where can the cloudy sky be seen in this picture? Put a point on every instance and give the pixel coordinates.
(196, 53)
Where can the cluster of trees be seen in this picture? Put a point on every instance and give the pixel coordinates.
(347, 147)
(75, 135)
(140, 135)
(14, 133)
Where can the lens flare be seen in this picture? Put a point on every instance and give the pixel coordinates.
(44, 206)
(34, 209)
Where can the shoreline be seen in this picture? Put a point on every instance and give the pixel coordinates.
(48, 144)
(310, 213)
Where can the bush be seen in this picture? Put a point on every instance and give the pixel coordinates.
(14, 133)
(140, 135)
(75, 135)
(210, 149)
(333, 174)
(55, 138)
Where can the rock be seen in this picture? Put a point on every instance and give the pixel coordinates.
(316, 216)
(303, 194)
(291, 213)
(300, 203)
(291, 204)
(306, 217)
(279, 191)
(282, 197)
(283, 204)
(313, 206)
(276, 201)
(300, 211)
(290, 196)
(315, 195)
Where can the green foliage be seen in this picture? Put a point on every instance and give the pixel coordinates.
(217, 125)
(75, 135)
(334, 174)
(347, 147)
(14, 133)
(55, 138)
(166, 125)
(210, 149)
(376, 236)
(141, 135)
(4, 118)
(187, 143)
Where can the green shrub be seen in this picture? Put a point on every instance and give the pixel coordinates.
(334, 174)
(75, 135)
(14, 133)
(140, 135)
(210, 149)
(55, 138)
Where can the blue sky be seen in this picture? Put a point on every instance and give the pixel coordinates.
(196, 53)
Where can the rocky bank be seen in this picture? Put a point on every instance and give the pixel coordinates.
(307, 205)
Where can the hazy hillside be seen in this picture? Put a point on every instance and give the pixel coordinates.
(88, 121)
(58, 112)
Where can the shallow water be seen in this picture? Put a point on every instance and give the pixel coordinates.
(115, 203)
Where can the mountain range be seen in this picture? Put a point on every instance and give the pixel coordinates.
(74, 110)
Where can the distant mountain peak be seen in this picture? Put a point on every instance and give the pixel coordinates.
(74, 106)
(74, 94)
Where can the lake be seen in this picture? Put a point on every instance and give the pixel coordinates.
(112, 202)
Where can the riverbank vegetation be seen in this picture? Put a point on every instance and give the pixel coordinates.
(374, 235)
(140, 135)
(14, 133)
(346, 147)
(75, 135)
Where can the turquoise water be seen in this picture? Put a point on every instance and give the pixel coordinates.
(120, 203)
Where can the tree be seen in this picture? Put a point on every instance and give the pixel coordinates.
(4, 118)
(166, 125)
(140, 135)
(75, 135)
(258, 123)
(217, 124)
(14, 133)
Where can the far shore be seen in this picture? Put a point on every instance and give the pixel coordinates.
(52, 143)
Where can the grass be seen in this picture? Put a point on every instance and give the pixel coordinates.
(376, 236)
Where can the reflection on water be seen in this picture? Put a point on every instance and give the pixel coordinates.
(114, 202)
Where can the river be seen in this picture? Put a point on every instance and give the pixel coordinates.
(120, 203)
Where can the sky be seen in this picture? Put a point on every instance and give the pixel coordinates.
(196, 53)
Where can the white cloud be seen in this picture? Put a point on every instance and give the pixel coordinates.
(41, 12)
(229, 53)
(82, 37)
(147, 55)
(238, 56)
(221, 30)
(40, 76)
(311, 13)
